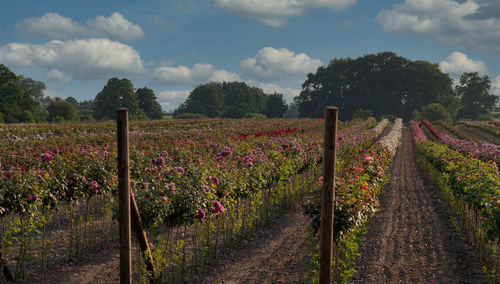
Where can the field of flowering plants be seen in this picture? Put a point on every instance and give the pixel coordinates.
(487, 130)
(360, 176)
(198, 184)
(478, 149)
(471, 186)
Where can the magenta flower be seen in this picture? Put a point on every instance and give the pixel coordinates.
(215, 180)
(46, 157)
(201, 214)
(35, 198)
(217, 207)
(181, 170)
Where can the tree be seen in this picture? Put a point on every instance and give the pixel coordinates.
(204, 99)
(362, 113)
(60, 109)
(275, 105)
(384, 83)
(474, 97)
(116, 94)
(72, 101)
(16, 103)
(433, 112)
(148, 103)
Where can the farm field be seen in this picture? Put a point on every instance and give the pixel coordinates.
(220, 197)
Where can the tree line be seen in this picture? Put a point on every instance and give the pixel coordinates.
(231, 100)
(387, 84)
(22, 100)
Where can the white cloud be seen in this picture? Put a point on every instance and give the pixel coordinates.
(495, 86)
(200, 73)
(278, 64)
(170, 99)
(82, 59)
(288, 93)
(56, 26)
(458, 63)
(457, 23)
(58, 76)
(275, 13)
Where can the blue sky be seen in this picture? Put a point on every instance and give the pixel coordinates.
(74, 47)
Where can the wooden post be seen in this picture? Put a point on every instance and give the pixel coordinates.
(6, 271)
(124, 196)
(141, 237)
(328, 196)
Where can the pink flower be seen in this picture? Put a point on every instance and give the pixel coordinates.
(201, 214)
(181, 170)
(35, 198)
(205, 188)
(367, 158)
(171, 187)
(217, 207)
(46, 157)
(215, 180)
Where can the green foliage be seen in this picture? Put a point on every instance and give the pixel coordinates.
(384, 83)
(292, 111)
(432, 112)
(116, 94)
(254, 115)
(275, 105)
(473, 94)
(476, 182)
(148, 103)
(231, 100)
(187, 115)
(19, 97)
(233, 112)
(362, 113)
(62, 110)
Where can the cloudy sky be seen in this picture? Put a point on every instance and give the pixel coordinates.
(74, 47)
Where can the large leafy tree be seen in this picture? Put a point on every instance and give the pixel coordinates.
(19, 97)
(59, 109)
(384, 83)
(275, 105)
(116, 94)
(148, 103)
(231, 99)
(474, 97)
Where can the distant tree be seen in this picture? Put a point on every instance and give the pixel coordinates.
(61, 109)
(33, 87)
(474, 97)
(148, 103)
(362, 113)
(432, 112)
(16, 103)
(116, 94)
(72, 101)
(233, 112)
(384, 83)
(275, 105)
(292, 111)
(206, 99)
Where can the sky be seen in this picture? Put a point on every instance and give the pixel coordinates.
(172, 46)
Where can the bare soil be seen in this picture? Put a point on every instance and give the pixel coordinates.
(411, 239)
(277, 254)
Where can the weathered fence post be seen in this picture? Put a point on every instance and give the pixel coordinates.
(124, 195)
(328, 196)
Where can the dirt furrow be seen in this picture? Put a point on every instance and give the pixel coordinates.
(411, 239)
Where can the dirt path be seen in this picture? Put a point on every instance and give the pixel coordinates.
(411, 239)
(277, 254)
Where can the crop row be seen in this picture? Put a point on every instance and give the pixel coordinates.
(480, 150)
(472, 180)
